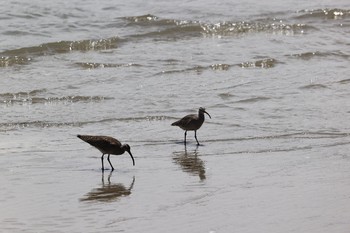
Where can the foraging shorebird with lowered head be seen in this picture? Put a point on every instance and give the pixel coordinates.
(192, 122)
(107, 145)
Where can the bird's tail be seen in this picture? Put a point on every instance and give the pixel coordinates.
(83, 137)
(176, 123)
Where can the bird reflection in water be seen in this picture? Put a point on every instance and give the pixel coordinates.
(190, 162)
(109, 191)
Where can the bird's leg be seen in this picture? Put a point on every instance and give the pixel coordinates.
(195, 136)
(110, 162)
(102, 162)
(109, 177)
(103, 178)
(185, 137)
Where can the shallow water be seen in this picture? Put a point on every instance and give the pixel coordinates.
(273, 76)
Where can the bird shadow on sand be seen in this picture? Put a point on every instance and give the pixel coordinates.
(108, 191)
(190, 162)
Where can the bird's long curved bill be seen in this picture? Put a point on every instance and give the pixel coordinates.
(133, 161)
(207, 114)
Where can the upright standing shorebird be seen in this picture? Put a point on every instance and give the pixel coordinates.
(107, 145)
(192, 122)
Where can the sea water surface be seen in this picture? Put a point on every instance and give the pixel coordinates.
(274, 76)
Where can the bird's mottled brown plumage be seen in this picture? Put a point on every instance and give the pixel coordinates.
(191, 122)
(107, 145)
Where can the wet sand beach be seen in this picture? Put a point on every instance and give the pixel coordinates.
(274, 157)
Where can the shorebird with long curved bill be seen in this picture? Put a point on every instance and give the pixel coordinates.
(192, 122)
(107, 145)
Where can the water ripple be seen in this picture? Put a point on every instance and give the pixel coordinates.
(314, 86)
(265, 63)
(253, 100)
(326, 13)
(31, 98)
(94, 65)
(6, 61)
(63, 47)
(7, 126)
(319, 54)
